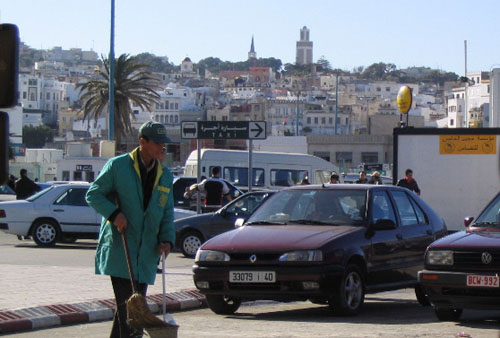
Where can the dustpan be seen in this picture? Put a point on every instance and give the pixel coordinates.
(139, 316)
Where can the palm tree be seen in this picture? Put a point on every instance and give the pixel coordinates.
(133, 84)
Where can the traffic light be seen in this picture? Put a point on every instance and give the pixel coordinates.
(9, 58)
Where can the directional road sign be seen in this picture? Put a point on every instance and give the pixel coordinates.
(224, 130)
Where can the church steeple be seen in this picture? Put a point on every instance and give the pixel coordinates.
(252, 54)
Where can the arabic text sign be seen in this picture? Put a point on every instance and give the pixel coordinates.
(224, 129)
(468, 144)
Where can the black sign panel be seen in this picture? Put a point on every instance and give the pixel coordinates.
(84, 167)
(223, 130)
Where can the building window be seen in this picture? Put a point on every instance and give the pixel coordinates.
(387, 89)
(213, 118)
(176, 118)
(323, 120)
(322, 154)
(379, 89)
(315, 120)
(452, 122)
(369, 157)
(24, 95)
(171, 106)
(343, 157)
(48, 96)
(176, 106)
(308, 120)
(330, 120)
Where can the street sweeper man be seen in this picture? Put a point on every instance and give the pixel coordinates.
(133, 193)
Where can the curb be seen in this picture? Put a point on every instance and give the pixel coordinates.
(41, 317)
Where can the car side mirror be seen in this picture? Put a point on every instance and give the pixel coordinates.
(384, 224)
(468, 220)
(239, 222)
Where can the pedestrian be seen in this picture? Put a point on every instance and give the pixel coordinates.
(409, 182)
(305, 181)
(375, 179)
(334, 179)
(134, 195)
(362, 178)
(215, 190)
(25, 187)
(12, 182)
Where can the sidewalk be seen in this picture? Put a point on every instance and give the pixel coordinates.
(55, 298)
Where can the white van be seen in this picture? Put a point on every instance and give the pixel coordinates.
(270, 170)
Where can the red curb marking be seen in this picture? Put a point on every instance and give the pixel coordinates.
(69, 314)
(198, 295)
(11, 321)
(108, 302)
(172, 304)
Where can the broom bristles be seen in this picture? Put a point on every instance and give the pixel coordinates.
(138, 314)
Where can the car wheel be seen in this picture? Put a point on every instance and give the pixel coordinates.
(448, 314)
(190, 242)
(421, 295)
(223, 305)
(351, 294)
(45, 233)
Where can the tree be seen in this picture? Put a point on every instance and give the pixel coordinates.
(154, 63)
(324, 65)
(132, 84)
(37, 137)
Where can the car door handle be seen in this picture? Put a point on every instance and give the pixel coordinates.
(58, 210)
(399, 236)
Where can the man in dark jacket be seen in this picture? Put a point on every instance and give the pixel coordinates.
(409, 182)
(24, 186)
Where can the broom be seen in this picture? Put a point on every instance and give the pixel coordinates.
(138, 314)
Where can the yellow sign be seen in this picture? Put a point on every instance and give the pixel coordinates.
(468, 144)
(404, 99)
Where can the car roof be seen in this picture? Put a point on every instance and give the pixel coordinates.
(339, 187)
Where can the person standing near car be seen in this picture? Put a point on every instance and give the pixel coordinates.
(134, 195)
(215, 190)
(375, 179)
(24, 186)
(362, 178)
(409, 182)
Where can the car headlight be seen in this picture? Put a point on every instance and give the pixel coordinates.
(211, 256)
(302, 256)
(439, 257)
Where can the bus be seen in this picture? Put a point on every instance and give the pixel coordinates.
(271, 170)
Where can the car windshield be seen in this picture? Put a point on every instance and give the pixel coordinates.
(490, 217)
(40, 193)
(313, 207)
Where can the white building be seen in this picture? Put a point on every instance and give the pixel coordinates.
(495, 98)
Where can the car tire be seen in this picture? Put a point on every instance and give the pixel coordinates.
(447, 314)
(190, 242)
(421, 296)
(45, 233)
(223, 305)
(350, 296)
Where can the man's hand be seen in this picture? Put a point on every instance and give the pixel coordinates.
(164, 247)
(120, 222)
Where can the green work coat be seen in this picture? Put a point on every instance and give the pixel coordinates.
(121, 177)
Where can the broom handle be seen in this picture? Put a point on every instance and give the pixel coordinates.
(129, 262)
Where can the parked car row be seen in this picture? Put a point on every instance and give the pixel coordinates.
(332, 244)
(58, 213)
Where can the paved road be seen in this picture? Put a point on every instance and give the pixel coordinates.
(34, 276)
(388, 315)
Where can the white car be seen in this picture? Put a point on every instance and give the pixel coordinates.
(56, 214)
(6, 193)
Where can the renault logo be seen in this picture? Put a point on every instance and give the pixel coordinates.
(253, 258)
(486, 258)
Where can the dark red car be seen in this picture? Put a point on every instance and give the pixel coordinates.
(462, 270)
(329, 244)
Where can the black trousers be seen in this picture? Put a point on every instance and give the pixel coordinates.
(123, 290)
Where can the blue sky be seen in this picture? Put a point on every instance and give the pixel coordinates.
(352, 33)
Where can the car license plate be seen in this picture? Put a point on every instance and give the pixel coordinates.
(252, 276)
(483, 281)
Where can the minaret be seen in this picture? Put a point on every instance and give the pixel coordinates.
(252, 54)
(304, 48)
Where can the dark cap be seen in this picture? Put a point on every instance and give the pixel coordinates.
(154, 131)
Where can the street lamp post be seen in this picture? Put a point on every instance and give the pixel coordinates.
(336, 101)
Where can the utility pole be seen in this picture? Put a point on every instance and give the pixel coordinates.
(297, 115)
(336, 100)
(466, 112)
(112, 74)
